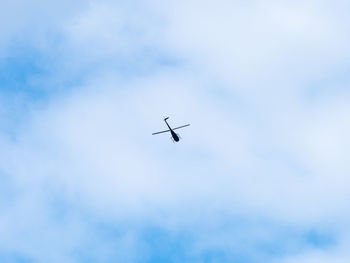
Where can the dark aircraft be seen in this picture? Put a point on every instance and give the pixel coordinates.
(175, 137)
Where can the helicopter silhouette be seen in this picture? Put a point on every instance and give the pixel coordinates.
(174, 136)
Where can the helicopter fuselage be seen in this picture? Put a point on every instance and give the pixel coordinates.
(175, 136)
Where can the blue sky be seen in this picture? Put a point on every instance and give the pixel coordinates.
(261, 175)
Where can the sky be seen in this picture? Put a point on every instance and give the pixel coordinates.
(261, 175)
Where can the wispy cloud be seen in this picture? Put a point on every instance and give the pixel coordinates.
(260, 174)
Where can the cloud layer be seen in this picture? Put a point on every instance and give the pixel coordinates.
(260, 175)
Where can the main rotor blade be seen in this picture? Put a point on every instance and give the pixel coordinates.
(182, 126)
(160, 132)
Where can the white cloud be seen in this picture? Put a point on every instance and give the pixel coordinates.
(276, 156)
(275, 42)
(33, 23)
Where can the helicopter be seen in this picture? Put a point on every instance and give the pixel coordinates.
(175, 137)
